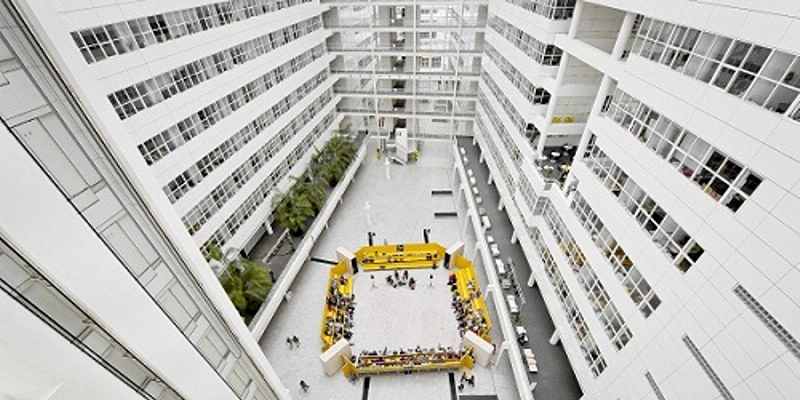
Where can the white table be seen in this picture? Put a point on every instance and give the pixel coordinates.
(513, 308)
(501, 266)
(485, 221)
(530, 359)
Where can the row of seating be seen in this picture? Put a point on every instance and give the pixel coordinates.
(337, 314)
(408, 361)
(476, 314)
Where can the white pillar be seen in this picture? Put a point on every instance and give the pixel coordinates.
(576, 19)
(491, 178)
(531, 280)
(555, 338)
(500, 204)
(623, 36)
(481, 158)
(514, 237)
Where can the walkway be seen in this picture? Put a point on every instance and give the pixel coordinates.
(555, 378)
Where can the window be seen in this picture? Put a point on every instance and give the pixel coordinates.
(591, 352)
(723, 178)
(673, 241)
(135, 98)
(99, 43)
(610, 318)
(637, 287)
(766, 77)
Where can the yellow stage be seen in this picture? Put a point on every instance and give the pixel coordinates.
(403, 256)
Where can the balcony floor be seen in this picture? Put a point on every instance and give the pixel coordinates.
(400, 207)
(555, 379)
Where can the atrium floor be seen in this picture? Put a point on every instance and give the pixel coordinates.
(396, 209)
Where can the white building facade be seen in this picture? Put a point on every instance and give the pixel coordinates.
(646, 153)
(656, 199)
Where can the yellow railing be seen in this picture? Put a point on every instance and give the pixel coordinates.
(400, 256)
(465, 273)
(331, 313)
(411, 362)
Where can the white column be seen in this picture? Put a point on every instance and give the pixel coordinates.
(576, 19)
(531, 280)
(491, 178)
(624, 35)
(513, 237)
(555, 338)
(500, 204)
(481, 158)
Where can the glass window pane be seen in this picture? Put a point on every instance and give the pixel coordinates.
(781, 99)
(756, 59)
(741, 83)
(777, 65)
(738, 53)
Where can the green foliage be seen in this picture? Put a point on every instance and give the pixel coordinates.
(247, 284)
(301, 203)
(214, 252)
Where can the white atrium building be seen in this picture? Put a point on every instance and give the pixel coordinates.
(634, 164)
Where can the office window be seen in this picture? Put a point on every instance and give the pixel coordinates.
(591, 352)
(639, 290)
(552, 9)
(105, 41)
(723, 178)
(614, 325)
(232, 224)
(170, 139)
(542, 53)
(137, 97)
(218, 197)
(526, 130)
(764, 76)
(494, 152)
(505, 136)
(673, 241)
(535, 95)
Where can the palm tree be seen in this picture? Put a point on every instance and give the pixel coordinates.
(293, 212)
(247, 284)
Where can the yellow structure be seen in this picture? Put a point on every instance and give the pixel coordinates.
(330, 313)
(409, 362)
(400, 256)
(469, 290)
(393, 257)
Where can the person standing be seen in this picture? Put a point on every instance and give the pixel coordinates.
(430, 280)
(296, 341)
(304, 386)
(372, 280)
(289, 342)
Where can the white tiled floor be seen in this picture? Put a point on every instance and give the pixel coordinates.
(400, 207)
(401, 317)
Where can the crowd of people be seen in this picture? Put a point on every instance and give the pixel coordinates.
(339, 310)
(408, 359)
(468, 317)
(398, 280)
